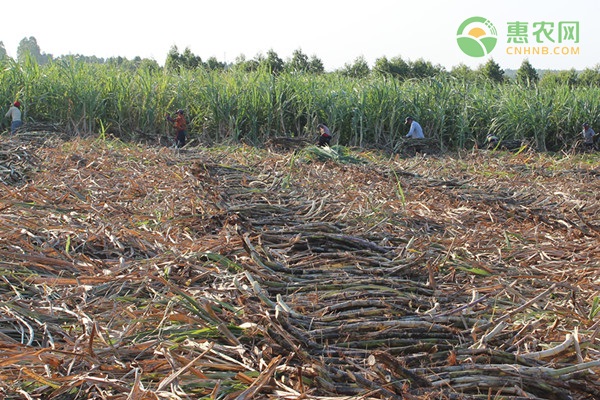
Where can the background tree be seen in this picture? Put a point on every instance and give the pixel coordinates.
(186, 60)
(526, 74)
(273, 62)
(423, 69)
(557, 78)
(382, 66)
(125, 63)
(589, 76)
(173, 61)
(359, 69)
(147, 64)
(463, 73)
(241, 63)
(298, 62)
(315, 65)
(81, 57)
(492, 71)
(395, 67)
(214, 65)
(189, 60)
(3, 53)
(29, 47)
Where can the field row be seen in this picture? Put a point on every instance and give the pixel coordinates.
(234, 106)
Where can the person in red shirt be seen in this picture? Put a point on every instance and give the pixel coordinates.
(180, 125)
(325, 135)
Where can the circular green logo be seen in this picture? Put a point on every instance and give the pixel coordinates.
(476, 36)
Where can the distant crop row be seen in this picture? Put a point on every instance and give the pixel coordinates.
(232, 105)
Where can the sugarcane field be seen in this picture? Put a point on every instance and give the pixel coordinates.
(132, 271)
(244, 235)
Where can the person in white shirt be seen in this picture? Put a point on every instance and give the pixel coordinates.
(15, 114)
(415, 132)
(588, 136)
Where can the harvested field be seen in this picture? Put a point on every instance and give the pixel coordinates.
(140, 272)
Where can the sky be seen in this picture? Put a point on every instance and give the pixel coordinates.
(336, 32)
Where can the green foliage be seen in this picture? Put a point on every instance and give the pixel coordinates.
(186, 60)
(473, 270)
(273, 63)
(424, 69)
(464, 73)
(595, 308)
(360, 68)
(559, 78)
(396, 67)
(399, 190)
(315, 65)
(242, 64)
(214, 65)
(239, 104)
(337, 154)
(28, 47)
(589, 77)
(492, 71)
(2, 51)
(298, 63)
(526, 74)
(400, 69)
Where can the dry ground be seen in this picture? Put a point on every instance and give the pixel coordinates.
(140, 272)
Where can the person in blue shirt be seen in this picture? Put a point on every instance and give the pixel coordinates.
(588, 136)
(415, 132)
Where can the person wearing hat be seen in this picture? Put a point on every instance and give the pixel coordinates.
(180, 125)
(588, 136)
(14, 113)
(415, 132)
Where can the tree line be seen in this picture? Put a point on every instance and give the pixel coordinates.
(300, 62)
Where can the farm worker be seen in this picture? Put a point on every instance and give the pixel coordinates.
(180, 125)
(588, 136)
(491, 141)
(325, 135)
(15, 114)
(415, 132)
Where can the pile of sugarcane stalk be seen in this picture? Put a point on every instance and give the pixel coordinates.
(133, 272)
